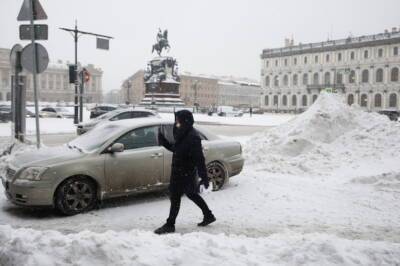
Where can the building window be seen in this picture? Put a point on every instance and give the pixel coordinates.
(339, 57)
(276, 100)
(350, 99)
(352, 56)
(305, 79)
(352, 77)
(379, 75)
(314, 98)
(266, 100)
(394, 75)
(8, 96)
(364, 100)
(285, 80)
(294, 100)
(393, 100)
(380, 52)
(327, 78)
(267, 63)
(295, 80)
(1, 96)
(295, 61)
(276, 62)
(276, 81)
(395, 51)
(327, 58)
(305, 60)
(365, 76)
(339, 78)
(285, 61)
(267, 81)
(316, 59)
(378, 100)
(304, 100)
(366, 54)
(284, 100)
(316, 79)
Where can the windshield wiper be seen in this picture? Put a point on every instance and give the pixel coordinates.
(69, 146)
(76, 147)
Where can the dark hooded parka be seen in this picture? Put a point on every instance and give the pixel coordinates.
(188, 159)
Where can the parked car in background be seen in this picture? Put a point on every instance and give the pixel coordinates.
(392, 114)
(115, 159)
(100, 110)
(228, 111)
(5, 113)
(58, 112)
(119, 114)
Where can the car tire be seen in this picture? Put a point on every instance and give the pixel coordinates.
(217, 175)
(59, 116)
(76, 195)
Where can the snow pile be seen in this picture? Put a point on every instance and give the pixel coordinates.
(30, 247)
(329, 137)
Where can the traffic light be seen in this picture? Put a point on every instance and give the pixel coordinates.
(72, 74)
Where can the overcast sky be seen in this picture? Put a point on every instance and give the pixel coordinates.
(223, 37)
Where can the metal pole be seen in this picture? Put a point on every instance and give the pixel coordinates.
(76, 74)
(35, 91)
(81, 97)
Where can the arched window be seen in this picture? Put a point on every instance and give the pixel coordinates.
(339, 57)
(380, 52)
(314, 98)
(350, 99)
(364, 100)
(393, 100)
(305, 79)
(305, 59)
(352, 76)
(284, 100)
(316, 79)
(267, 81)
(295, 61)
(394, 75)
(275, 99)
(352, 56)
(339, 78)
(294, 100)
(378, 100)
(295, 80)
(327, 57)
(276, 81)
(8, 97)
(379, 75)
(327, 78)
(304, 100)
(366, 54)
(316, 59)
(285, 80)
(396, 51)
(266, 100)
(365, 76)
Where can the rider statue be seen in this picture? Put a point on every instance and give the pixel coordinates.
(162, 42)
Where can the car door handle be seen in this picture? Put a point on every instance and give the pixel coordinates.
(156, 155)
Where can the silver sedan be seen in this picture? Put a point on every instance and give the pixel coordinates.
(115, 159)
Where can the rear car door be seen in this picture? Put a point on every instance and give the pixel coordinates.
(140, 165)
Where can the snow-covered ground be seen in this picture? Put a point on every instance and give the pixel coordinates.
(321, 189)
(66, 125)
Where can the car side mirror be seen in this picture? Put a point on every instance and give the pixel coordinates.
(116, 147)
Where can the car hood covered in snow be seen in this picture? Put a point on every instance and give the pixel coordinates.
(45, 156)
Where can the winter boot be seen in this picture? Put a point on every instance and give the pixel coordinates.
(165, 229)
(209, 218)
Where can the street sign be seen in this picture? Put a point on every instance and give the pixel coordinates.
(25, 12)
(14, 60)
(103, 44)
(42, 58)
(41, 32)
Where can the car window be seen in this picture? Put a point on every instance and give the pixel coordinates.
(121, 116)
(167, 131)
(140, 138)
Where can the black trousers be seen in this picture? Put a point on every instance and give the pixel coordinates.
(175, 197)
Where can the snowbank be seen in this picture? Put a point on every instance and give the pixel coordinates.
(330, 137)
(30, 247)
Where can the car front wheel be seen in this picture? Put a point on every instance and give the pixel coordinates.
(76, 195)
(217, 175)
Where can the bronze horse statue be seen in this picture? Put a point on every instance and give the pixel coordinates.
(162, 42)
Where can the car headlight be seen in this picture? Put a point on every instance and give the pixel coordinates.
(32, 173)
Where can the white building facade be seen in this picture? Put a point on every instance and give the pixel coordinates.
(238, 94)
(365, 69)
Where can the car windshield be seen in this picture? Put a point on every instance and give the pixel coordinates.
(94, 139)
(60, 109)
